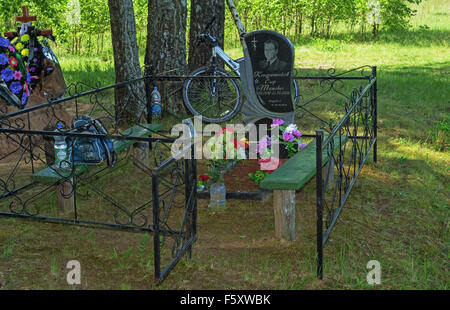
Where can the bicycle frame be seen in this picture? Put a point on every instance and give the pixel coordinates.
(232, 64)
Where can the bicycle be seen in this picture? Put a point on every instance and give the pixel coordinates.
(216, 99)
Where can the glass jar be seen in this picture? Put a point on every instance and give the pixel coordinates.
(217, 195)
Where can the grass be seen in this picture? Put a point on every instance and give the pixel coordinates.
(398, 212)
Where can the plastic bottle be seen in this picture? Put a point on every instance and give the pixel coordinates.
(217, 196)
(62, 155)
(156, 103)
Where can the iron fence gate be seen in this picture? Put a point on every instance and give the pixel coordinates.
(148, 189)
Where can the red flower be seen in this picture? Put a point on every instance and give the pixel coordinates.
(203, 177)
(222, 131)
(13, 62)
(235, 143)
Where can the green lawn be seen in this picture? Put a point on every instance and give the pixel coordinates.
(398, 212)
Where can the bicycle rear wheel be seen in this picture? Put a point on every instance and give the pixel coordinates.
(216, 97)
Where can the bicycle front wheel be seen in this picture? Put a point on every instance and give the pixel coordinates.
(213, 94)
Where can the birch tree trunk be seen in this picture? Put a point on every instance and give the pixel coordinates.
(202, 12)
(166, 49)
(130, 100)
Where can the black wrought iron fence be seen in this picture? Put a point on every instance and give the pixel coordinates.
(145, 188)
(356, 134)
(149, 189)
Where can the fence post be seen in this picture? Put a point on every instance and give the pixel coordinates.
(141, 150)
(189, 184)
(156, 241)
(375, 111)
(319, 206)
(191, 200)
(148, 97)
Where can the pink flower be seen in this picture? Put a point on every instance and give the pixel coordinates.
(26, 88)
(277, 122)
(12, 49)
(17, 75)
(269, 164)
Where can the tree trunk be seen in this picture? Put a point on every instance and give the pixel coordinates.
(245, 17)
(166, 48)
(130, 99)
(374, 31)
(202, 13)
(329, 26)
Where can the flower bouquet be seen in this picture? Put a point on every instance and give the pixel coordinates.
(289, 136)
(16, 70)
(223, 152)
(203, 181)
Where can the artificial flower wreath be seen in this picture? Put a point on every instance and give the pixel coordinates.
(16, 71)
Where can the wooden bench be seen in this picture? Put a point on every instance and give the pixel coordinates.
(55, 175)
(291, 176)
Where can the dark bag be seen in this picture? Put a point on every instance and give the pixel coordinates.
(91, 150)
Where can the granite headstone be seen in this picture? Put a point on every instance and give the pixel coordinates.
(267, 77)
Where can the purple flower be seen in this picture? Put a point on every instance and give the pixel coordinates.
(262, 145)
(15, 87)
(3, 59)
(7, 75)
(302, 145)
(28, 78)
(4, 42)
(297, 133)
(288, 137)
(277, 122)
(24, 98)
(12, 49)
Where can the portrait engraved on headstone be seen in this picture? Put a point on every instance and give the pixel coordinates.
(272, 63)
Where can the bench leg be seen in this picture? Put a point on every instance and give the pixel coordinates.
(284, 211)
(141, 154)
(65, 202)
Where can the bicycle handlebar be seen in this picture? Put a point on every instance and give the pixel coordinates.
(207, 38)
(204, 35)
